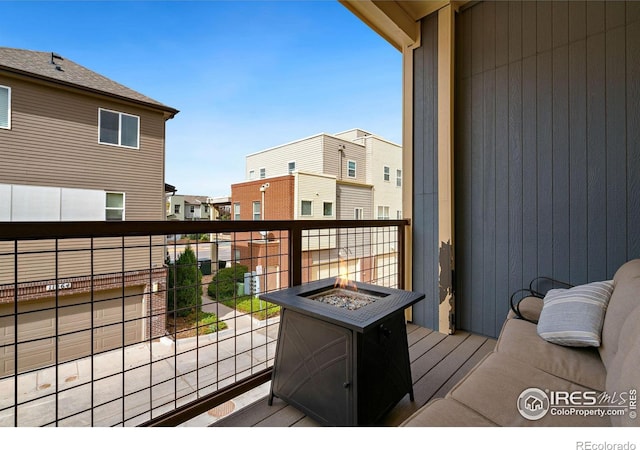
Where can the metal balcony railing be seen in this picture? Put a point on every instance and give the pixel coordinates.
(155, 323)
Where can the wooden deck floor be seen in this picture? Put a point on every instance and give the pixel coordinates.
(438, 361)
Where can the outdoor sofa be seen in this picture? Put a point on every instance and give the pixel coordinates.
(588, 379)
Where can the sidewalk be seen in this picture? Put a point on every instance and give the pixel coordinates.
(220, 359)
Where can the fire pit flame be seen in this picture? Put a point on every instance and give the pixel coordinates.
(342, 280)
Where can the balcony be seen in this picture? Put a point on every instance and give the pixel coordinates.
(94, 332)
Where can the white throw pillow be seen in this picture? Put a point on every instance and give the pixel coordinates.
(574, 317)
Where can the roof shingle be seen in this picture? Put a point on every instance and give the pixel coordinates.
(60, 69)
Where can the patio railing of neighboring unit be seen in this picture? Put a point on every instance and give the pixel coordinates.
(118, 324)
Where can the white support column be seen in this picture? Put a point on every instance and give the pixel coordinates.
(446, 84)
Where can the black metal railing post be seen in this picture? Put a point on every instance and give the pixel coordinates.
(295, 255)
(401, 255)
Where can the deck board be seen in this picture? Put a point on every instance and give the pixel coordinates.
(438, 362)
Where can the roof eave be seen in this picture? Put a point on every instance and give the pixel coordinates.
(397, 21)
(169, 112)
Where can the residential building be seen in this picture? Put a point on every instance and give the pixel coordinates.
(78, 146)
(345, 176)
(190, 207)
(196, 207)
(364, 165)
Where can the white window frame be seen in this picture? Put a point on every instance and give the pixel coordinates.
(120, 114)
(257, 213)
(8, 127)
(111, 208)
(398, 177)
(358, 213)
(263, 173)
(301, 208)
(386, 173)
(252, 174)
(236, 211)
(324, 204)
(289, 169)
(399, 214)
(384, 209)
(349, 168)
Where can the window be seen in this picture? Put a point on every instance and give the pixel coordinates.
(399, 214)
(306, 209)
(5, 107)
(192, 209)
(256, 210)
(383, 213)
(327, 209)
(118, 128)
(387, 173)
(206, 208)
(236, 255)
(398, 177)
(291, 166)
(115, 206)
(263, 173)
(236, 211)
(252, 174)
(351, 169)
(176, 209)
(358, 213)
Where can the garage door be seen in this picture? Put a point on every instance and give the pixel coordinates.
(37, 328)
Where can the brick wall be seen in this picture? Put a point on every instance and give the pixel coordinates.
(278, 198)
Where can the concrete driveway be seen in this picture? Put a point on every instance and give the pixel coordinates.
(177, 370)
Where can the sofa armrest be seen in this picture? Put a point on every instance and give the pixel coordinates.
(538, 288)
(517, 298)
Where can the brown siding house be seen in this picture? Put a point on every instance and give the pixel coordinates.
(77, 146)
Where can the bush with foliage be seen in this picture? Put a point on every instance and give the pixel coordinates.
(223, 283)
(185, 291)
(203, 237)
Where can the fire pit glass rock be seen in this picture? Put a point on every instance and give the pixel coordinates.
(344, 298)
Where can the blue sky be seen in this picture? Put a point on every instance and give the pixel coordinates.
(245, 75)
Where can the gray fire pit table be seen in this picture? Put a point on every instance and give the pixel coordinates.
(342, 367)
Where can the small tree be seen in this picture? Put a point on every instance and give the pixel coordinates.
(185, 292)
(223, 284)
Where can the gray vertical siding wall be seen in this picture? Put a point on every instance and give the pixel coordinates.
(547, 149)
(425, 175)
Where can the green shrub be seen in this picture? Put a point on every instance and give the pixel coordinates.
(185, 292)
(223, 283)
(209, 324)
(260, 309)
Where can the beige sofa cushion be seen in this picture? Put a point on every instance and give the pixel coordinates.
(625, 298)
(581, 365)
(492, 390)
(446, 413)
(624, 371)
